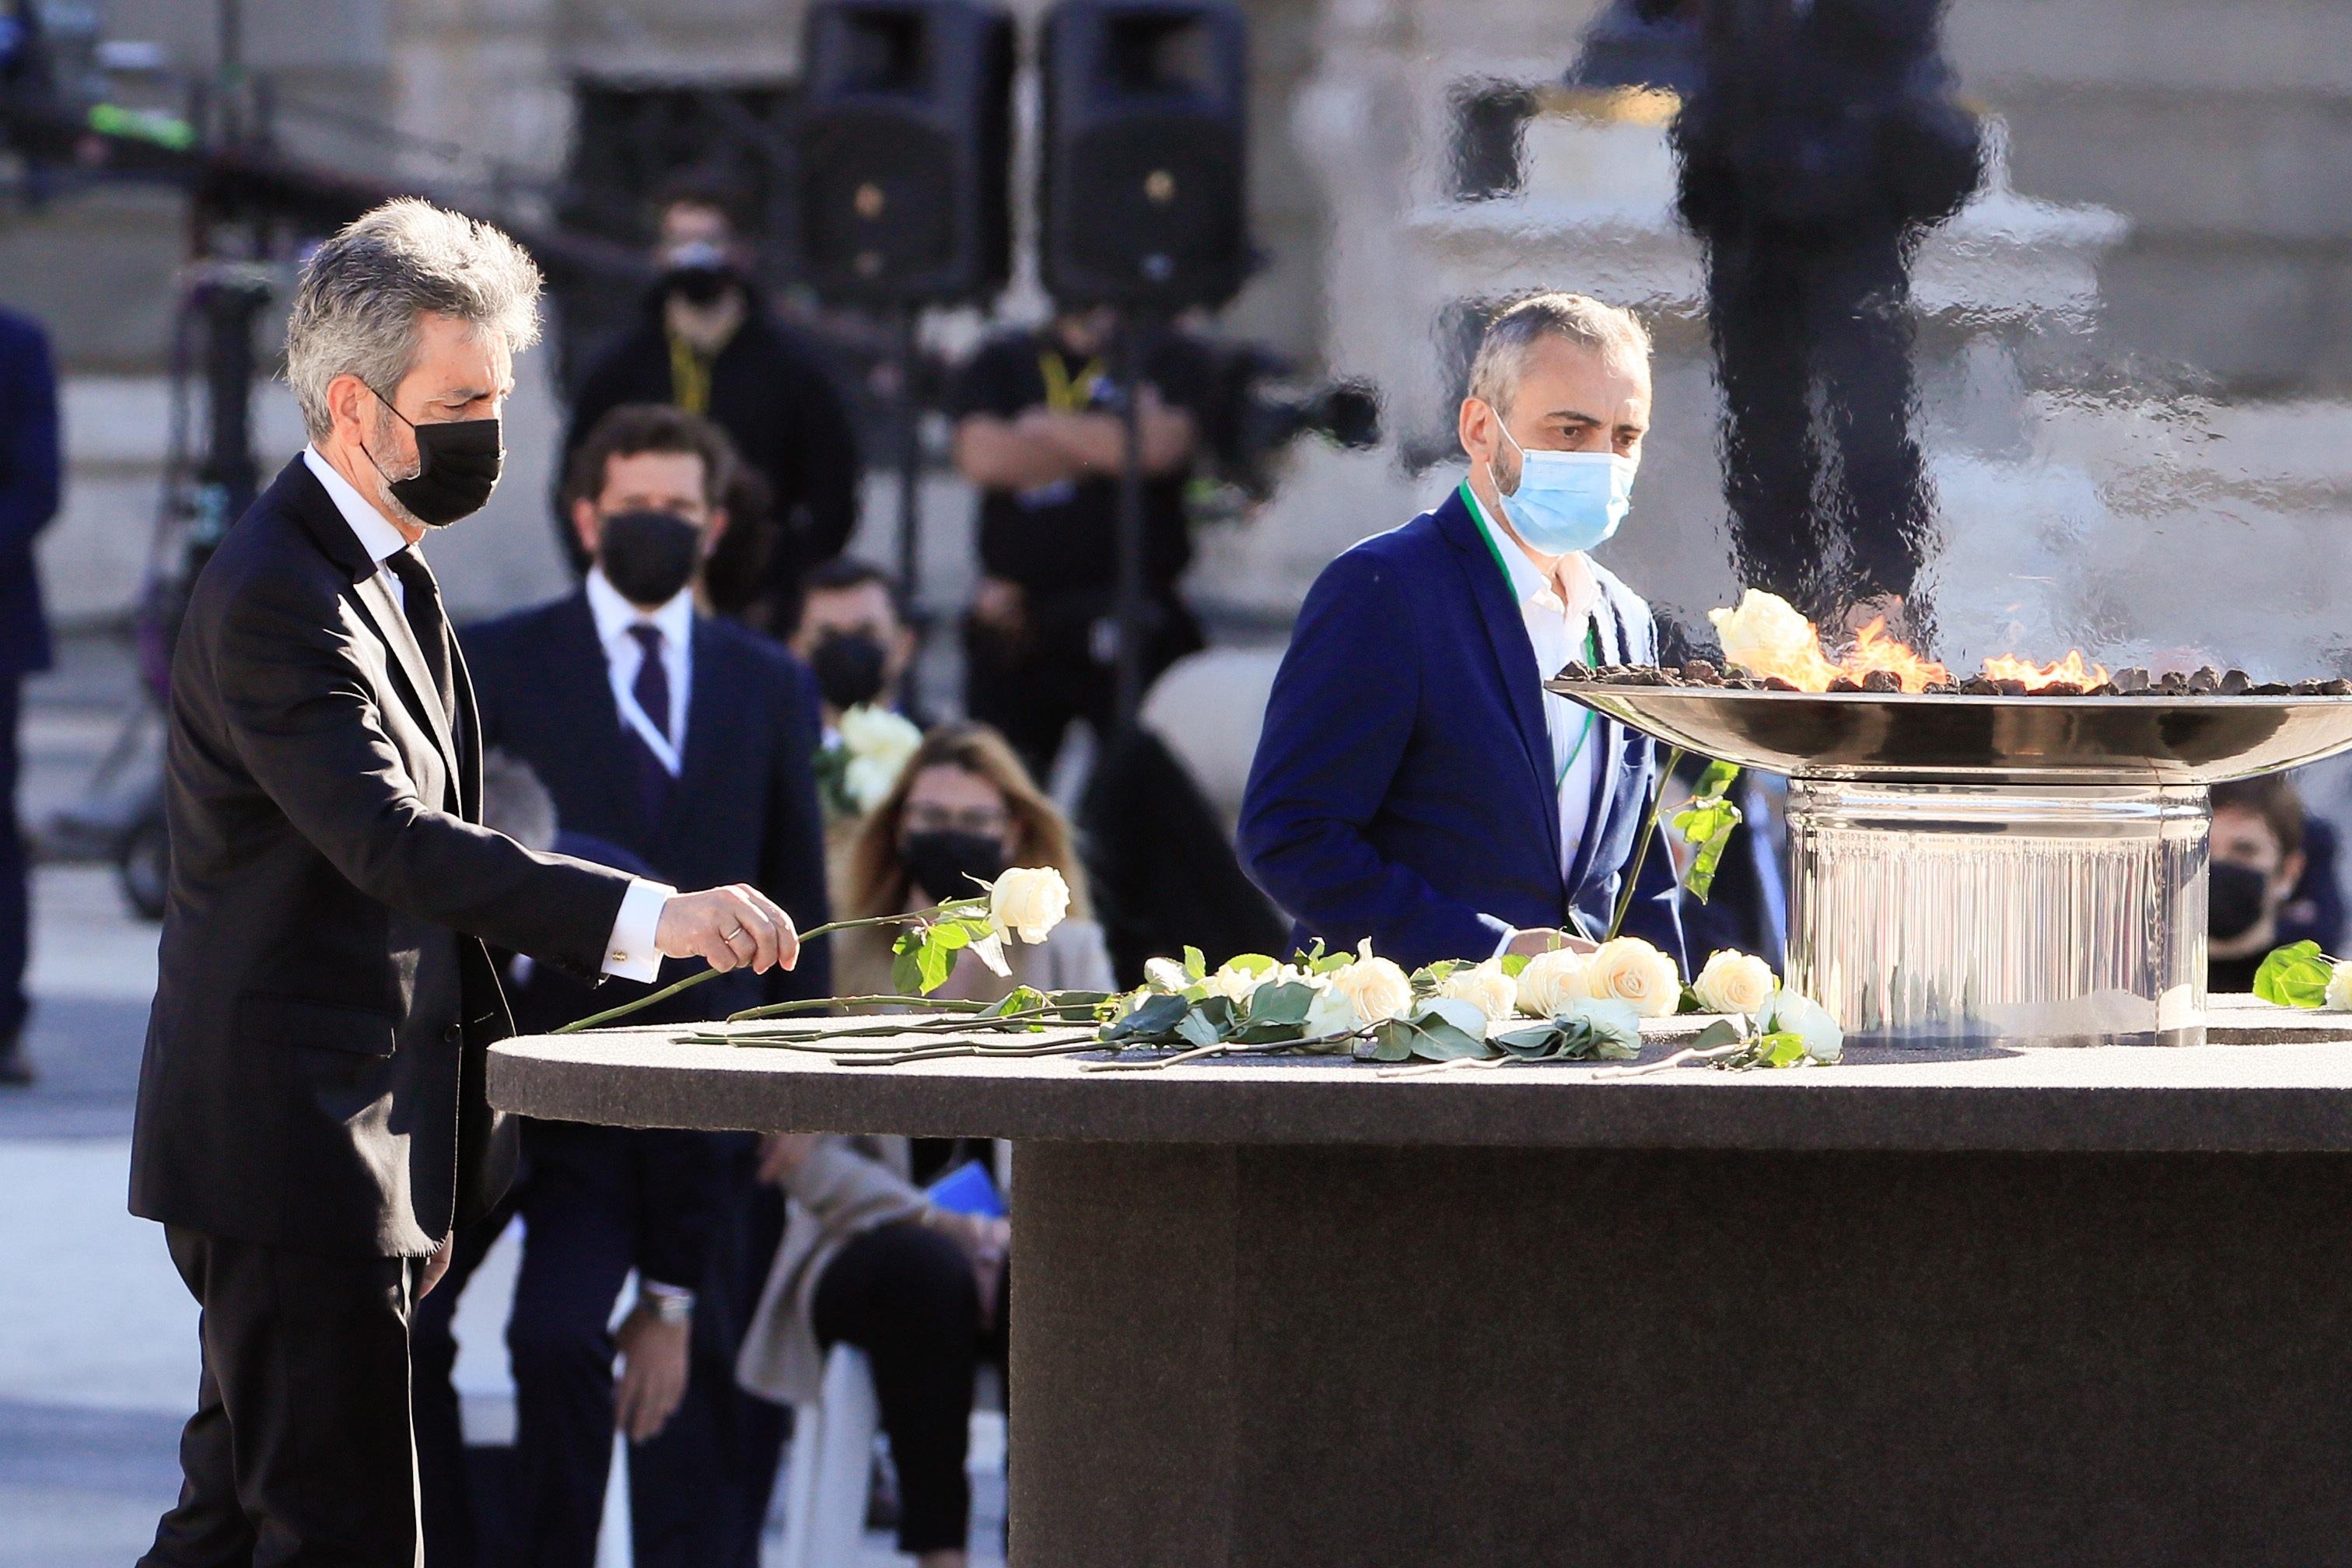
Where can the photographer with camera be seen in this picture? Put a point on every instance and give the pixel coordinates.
(1039, 432)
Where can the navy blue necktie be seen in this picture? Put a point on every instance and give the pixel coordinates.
(651, 688)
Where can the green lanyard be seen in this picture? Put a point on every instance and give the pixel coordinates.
(1591, 641)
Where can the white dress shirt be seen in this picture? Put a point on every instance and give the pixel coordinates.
(629, 953)
(1557, 613)
(624, 656)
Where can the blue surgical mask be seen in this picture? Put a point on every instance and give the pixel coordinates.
(1566, 501)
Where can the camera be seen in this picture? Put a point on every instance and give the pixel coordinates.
(1258, 405)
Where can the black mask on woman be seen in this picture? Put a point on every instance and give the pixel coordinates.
(849, 668)
(457, 467)
(2235, 900)
(943, 861)
(649, 557)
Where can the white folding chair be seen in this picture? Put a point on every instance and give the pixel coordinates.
(832, 1461)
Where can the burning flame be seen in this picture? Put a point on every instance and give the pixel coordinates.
(1766, 638)
(2071, 670)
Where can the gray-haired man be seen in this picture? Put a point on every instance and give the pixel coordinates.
(311, 1124)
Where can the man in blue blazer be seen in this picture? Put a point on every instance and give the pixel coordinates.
(1414, 783)
(688, 742)
(28, 499)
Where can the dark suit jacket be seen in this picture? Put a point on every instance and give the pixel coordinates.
(29, 487)
(745, 808)
(1404, 785)
(314, 1060)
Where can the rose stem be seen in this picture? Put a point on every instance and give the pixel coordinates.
(1641, 851)
(691, 981)
(1677, 1059)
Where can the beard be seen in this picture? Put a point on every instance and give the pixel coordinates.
(392, 506)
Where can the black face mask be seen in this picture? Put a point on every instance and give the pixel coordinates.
(458, 465)
(701, 283)
(850, 667)
(2235, 900)
(943, 861)
(649, 557)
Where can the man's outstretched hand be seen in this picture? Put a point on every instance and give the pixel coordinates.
(728, 928)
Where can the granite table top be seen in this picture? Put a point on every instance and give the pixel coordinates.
(2268, 1080)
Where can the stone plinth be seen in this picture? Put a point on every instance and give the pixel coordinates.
(2084, 1306)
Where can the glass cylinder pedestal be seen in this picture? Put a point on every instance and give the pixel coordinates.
(1951, 915)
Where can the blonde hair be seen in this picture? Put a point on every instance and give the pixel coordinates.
(875, 882)
(1614, 333)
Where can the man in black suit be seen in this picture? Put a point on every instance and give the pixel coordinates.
(690, 742)
(29, 471)
(311, 1124)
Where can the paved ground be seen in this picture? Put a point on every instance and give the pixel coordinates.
(97, 1336)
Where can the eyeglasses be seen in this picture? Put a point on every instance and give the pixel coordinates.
(990, 821)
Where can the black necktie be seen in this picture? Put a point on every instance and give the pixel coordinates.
(651, 689)
(421, 599)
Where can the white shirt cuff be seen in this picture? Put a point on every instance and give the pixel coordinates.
(631, 953)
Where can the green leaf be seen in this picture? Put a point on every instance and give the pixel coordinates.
(1279, 1013)
(1252, 964)
(1716, 780)
(1195, 1028)
(1705, 824)
(1515, 963)
(2295, 976)
(935, 963)
(1391, 1042)
(1196, 966)
(906, 973)
(1330, 963)
(1155, 1019)
(1779, 1050)
(1690, 1001)
(951, 935)
(1430, 976)
(1533, 1043)
(1722, 1032)
(1444, 1030)
(1025, 999)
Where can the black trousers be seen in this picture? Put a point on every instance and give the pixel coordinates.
(698, 1489)
(1790, 313)
(452, 1530)
(905, 1296)
(14, 902)
(299, 1451)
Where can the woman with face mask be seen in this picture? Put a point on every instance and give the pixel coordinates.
(868, 1259)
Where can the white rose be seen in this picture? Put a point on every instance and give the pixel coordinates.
(1766, 635)
(1334, 1012)
(1610, 1020)
(1552, 980)
(1734, 983)
(1236, 984)
(1166, 975)
(1484, 987)
(1630, 970)
(1378, 988)
(880, 744)
(1793, 1013)
(2339, 987)
(1028, 902)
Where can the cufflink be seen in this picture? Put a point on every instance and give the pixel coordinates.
(619, 957)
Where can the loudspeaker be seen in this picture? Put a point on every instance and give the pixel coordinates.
(904, 143)
(1143, 202)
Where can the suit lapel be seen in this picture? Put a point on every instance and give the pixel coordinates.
(384, 612)
(1515, 656)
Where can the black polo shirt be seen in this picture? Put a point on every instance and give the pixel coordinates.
(1065, 537)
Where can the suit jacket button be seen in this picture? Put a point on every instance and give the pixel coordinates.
(455, 1034)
